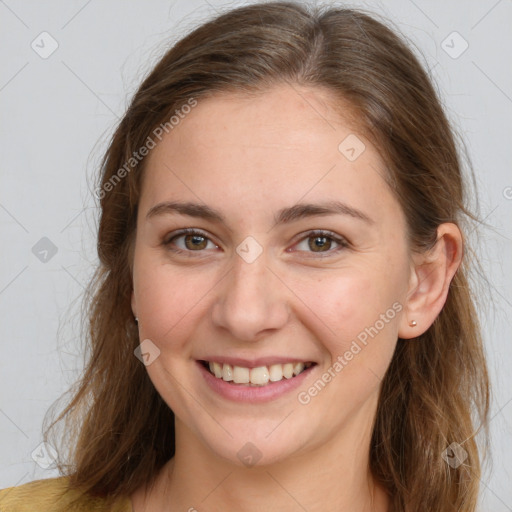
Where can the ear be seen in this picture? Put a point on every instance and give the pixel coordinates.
(431, 275)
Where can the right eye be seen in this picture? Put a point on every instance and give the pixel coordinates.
(189, 240)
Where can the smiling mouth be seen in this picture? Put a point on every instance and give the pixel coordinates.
(260, 376)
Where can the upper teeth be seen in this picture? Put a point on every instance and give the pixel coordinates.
(258, 376)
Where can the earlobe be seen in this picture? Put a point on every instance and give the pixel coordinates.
(134, 307)
(431, 275)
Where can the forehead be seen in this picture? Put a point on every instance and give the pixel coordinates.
(272, 148)
(282, 118)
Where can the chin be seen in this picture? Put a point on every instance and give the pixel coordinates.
(258, 446)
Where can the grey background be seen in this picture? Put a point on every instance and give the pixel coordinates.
(57, 114)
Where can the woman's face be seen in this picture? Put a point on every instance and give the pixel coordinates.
(298, 254)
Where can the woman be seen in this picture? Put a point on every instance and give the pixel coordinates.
(282, 318)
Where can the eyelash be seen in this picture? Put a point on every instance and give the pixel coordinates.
(342, 242)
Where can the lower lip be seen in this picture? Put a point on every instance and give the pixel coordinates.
(253, 394)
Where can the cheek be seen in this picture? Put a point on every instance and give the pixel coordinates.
(169, 300)
(350, 301)
(361, 316)
(356, 317)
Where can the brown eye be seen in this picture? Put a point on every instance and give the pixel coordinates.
(188, 241)
(324, 243)
(319, 243)
(194, 242)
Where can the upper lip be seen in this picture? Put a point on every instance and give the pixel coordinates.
(255, 363)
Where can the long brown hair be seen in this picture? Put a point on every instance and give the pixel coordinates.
(435, 392)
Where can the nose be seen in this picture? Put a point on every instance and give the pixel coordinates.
(251, 300)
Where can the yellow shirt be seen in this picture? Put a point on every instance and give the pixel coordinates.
(52, 495)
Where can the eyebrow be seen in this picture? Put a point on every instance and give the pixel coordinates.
(284, 216)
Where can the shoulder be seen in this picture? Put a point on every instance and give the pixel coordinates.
(54, 495)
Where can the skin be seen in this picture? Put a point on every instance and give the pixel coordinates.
(249, 157)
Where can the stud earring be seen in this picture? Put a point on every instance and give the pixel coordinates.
(413, 323)
(136, 320)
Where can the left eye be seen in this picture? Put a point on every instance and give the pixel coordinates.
(321, 242)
